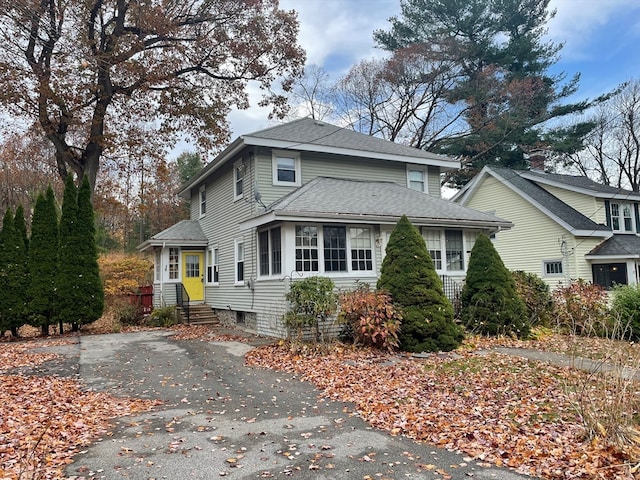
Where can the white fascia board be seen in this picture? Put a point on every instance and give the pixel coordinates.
(612, 257)
(437, 160)
(321, 217)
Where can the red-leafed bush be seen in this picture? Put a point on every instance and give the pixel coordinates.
(370, 317)
(581, 308)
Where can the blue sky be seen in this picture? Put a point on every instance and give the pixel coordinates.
(601, 41)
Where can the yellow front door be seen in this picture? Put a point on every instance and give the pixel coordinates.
(193, 275)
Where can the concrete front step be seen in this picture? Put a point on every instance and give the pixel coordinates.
(199, 314)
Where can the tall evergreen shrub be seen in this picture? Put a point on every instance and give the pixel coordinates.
(490, 303)
(10, 308)
(409, 276)
(43, 261)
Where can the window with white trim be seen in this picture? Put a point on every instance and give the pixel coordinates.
(335, 248)
(454, 249)
(174, 263)
(203, 200)
(361, 249)
(417, 178)
(306, 248)
(213, 265)
(286, 168)
(239, 248)
(238, 180)
(270, 252)
(552, 268)
(622, 217)
(433, 239)
(158, 265)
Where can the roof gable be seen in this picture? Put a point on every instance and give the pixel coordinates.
(580, 184)
(183, 233)
(519, 182)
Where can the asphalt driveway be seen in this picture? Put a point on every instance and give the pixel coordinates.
(222, 419)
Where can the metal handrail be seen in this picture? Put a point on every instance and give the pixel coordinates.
(182, 298)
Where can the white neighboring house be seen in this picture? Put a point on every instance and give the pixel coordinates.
(300, 199)
(565, 227)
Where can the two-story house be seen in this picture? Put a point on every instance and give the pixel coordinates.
(565, 227)
(300, 199)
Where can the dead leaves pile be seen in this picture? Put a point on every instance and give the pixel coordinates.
(44, 421)
(497, 409)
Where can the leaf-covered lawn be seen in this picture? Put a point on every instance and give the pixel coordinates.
(44, 421)
(497, 409)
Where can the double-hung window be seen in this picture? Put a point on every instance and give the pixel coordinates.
(203, 201)
(306, 248)
(622, 217)
(270, 252)
(454, 249)
(286, 168)
(447, 248)
(239, 261)
(433, 239)
(174, 263)
(361, 249)
(238, 180)
(213, 266)
(417, 178)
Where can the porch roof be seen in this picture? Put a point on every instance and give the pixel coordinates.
(618, 246)
(186, 233)
(356, 201)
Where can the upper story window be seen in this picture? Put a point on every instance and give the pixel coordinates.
(203, 201)
(622, 217)
(417, 178)
(286, 168)
(238, 180)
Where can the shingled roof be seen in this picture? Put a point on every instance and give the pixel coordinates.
(307, 134)
(518, 180)
(620, 245)
(183, 233)
(346, 200)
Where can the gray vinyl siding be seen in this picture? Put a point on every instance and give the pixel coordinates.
(316, 165)
(220, 225)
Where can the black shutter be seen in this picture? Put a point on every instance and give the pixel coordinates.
(607, 209)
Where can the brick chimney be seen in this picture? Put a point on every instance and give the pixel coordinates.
(536, 160)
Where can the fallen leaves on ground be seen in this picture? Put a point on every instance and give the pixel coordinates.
(497, 409)
(44, 421)
(205, 332)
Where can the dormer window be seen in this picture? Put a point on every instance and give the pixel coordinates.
(286, 168)
(622, 217)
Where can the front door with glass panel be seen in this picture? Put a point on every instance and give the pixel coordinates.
(193, 275)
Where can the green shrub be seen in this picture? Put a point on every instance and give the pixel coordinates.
(536, 296)
(625, 306)
(409, 276)
(162, 317)
(371, 318)
(581, 308)
(490, 304)
(312, 301)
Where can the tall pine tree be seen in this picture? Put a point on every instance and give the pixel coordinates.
(504, 88)
(43, 262)
(8, 246)
(408, 274)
